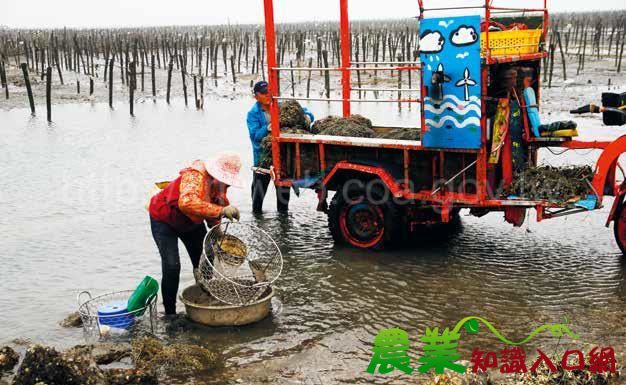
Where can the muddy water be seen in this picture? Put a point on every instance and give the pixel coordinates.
(72, 219)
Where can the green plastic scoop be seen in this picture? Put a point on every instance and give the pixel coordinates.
(147, 289)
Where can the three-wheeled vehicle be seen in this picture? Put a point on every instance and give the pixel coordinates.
(461, 160)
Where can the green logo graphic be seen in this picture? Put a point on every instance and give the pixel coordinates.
(471, 325)
(440, 355)
(391, 350)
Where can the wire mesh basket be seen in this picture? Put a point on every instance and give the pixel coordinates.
(98, 325)
(240, 261)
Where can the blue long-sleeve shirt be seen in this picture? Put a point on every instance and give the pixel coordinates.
(532, 110)
(258, 128)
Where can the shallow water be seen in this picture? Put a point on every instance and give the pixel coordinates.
(73, 219)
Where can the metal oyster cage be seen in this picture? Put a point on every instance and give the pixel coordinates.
(97, 326)
(240, 261)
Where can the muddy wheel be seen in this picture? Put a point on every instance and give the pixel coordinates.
(355, 219)
(619, 227)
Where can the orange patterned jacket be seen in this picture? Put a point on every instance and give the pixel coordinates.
(199, 197)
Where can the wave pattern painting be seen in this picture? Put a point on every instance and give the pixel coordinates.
(454, 122)
(452, 105)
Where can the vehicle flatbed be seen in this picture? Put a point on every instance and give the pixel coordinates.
(460, 159)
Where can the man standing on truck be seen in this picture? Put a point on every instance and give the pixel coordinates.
(258, 121)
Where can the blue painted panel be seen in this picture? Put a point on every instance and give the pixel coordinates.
(452, 110)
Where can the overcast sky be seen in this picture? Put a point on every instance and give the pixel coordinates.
(90, 13)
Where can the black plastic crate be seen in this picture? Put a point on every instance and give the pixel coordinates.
(611, 99)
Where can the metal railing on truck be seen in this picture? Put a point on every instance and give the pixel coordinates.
(346, 67)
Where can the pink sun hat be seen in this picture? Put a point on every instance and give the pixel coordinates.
(225, 167)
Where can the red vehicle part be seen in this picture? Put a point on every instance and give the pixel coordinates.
(618, 215)
(604, 178)
(363, 222)
(364, 218)
(354, 170)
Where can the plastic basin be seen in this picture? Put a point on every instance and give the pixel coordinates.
(204, 309)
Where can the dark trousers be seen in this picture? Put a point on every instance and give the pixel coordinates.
(260, 183)
(166, 239)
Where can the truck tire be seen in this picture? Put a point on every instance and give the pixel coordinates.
(356, 221)
(619, 227)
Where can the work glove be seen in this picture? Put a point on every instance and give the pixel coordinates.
(230, 212)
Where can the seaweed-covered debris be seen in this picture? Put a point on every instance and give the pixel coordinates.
(8, 358)
(292, 116)
(349, 128)
(80, 360)
(79, 365)
(468, 378)
(544, 376)
(150, 354)
(552, 183)
(45, 364)
(73, 320)
(129, 377)
(401, 134)
(360, 120)
(265, 159)
(108, 354)
(354, 125)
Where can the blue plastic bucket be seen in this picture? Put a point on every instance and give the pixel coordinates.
(115, 314)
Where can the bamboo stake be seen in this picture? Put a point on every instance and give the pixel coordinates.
(29, 91)
(131, 88)
(621, 52)
(195, 92)
(48, 93)
(3, 79)
(558, 39)
(183, 74)
(169, 81)
(326, 74)
(111, 83)
(202, 92)
(152, 75)
(308, 80)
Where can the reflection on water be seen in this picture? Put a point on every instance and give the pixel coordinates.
(72, 218)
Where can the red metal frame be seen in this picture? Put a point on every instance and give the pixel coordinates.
(272, 76)
(389, 181)
(443, 197)
(345, 55)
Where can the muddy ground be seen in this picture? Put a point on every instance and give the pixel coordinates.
(310, 361)
(150, 361)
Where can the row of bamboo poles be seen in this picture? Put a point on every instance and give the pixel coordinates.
(198, 52)
(208, 54)
(582, 37)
